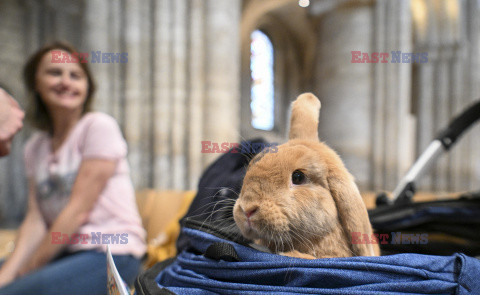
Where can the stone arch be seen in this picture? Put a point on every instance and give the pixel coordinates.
(291, 34)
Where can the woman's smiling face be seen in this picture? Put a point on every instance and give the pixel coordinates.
(62, 86)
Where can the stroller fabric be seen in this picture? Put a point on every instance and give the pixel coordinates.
(256, 272)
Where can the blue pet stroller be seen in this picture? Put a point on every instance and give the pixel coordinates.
(213, 260)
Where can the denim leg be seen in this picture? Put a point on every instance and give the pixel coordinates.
(79, 273)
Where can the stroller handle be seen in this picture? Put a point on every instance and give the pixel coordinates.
(445, 139)
(460, 124)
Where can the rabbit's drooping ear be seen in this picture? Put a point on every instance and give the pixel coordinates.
(304, 120)
(351, 210)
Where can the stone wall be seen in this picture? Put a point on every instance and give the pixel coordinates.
(381, 116)
(180, 85)
(187, 79)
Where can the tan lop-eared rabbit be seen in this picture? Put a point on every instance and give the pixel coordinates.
(300, 200)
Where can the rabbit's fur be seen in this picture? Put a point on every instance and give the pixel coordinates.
(314, 218)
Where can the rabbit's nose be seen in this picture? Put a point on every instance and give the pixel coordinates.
(251, 211)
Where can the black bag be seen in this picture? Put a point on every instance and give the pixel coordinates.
(220, 185)
(437, 228)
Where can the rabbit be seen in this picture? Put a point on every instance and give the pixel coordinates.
(301, 201)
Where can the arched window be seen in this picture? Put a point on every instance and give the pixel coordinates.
(262, 102)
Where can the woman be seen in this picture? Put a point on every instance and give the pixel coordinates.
(81, 196)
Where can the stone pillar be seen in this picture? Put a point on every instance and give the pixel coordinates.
(366, 107)
(345, 88)
(222, 103)
(179, 86)
(392, 124)
(197, 86)
(179, 93)
(116, 73)
(163, 37)
(423, 94)
(96, 38)
(471, 10)
(137, 93)
(195, 82)
(447, 31)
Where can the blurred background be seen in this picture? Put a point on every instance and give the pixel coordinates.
(227, 70)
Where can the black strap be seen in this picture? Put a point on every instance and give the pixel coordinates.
(145, 283)
(217, 229)
(222, 251)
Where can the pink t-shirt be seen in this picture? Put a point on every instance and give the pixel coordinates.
(114, 219)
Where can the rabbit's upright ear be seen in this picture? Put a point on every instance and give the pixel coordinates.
(352, 212)
(304, 119)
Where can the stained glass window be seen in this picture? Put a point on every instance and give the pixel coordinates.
(262, 88)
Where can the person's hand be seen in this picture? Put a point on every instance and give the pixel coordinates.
(11, 117)
(6, 278)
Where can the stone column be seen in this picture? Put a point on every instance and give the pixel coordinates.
(447, 31)
(162, 38)
(96, 38)
(137, 73)
(393, 133)
(470, 13)
(116, 41)
(197, 86)
(345, 88)
(222, 102)
(179, 93)
(366, 107)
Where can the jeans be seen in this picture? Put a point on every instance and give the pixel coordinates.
(78, 273)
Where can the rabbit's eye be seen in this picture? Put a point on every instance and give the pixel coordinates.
(298, 177)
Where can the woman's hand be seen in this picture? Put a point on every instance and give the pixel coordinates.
(11, 117)
(6, 277)
(30, 234)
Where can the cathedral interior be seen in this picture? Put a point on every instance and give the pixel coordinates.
(390, 74)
